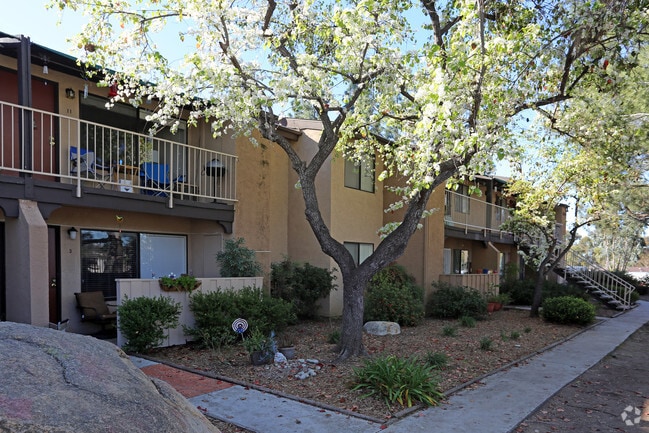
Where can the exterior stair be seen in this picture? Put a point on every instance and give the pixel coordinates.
(605, 286)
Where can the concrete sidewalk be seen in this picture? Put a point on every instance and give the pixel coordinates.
(503, 400)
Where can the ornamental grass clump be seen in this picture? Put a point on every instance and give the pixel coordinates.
(405, 381)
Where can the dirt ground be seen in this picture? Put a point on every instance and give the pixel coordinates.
(597, 400)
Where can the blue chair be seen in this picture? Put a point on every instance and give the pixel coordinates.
(155, 176)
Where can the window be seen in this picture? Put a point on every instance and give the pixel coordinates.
(359, 251)
(447, 261)
(360, 174)
(161, 255)
(460, 261)
(462, 199)
(106, 256)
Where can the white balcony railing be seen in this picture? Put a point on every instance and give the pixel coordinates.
(469, 213)
(66, 149)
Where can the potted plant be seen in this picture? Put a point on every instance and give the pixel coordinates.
(286, 346)
(183, 283)
(259, 347)
(495, 302)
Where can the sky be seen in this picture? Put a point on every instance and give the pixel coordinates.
(31, 19)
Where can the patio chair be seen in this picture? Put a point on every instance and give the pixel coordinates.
(156, 177)
(94, 309)
(86, 165)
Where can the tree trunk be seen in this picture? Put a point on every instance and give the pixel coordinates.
(351, 335)
(537, 297)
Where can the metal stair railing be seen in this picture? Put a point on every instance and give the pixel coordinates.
(606, 285)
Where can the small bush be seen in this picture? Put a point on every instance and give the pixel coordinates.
(519, 291)
(438, 360)
(522, 291)
(467, 321)
(554, 290)
(568, 310)
(143, 321)
(486, 343)
(527, 329)
(392, 295)
(334, 337)
(214, 313)
(452, 302)
(449, 331)
(399, 380)
(301, 284)
(236, 260)
(515, 335)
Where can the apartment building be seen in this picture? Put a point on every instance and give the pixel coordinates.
(90, 195)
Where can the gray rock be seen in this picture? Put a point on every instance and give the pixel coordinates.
(382, 328)
(55, 381)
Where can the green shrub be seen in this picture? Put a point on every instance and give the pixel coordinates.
(399, 380)
(143, 321)
(301, 284)
(214, 313)
(392, 295)
(236, 260)
(635, 296)
(568, 310)
(522, 291)
(449, 331)
(452, 302)
(552, 289)
(519, 291)
(438, 360)
(467, 321)
(334, 337)
(486, 343)
(515, 335)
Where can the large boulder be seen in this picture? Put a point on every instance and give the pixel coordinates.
(380, 327)
(55, 381)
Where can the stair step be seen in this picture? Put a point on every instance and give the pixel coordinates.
(605, 297)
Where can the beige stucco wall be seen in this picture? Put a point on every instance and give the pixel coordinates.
(204, 239)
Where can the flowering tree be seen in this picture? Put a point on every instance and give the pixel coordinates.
(590, 154)
(441, 79)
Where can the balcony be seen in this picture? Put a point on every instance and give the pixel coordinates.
(475, 218)
(92, 158)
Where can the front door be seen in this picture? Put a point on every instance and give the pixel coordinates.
(53, 244)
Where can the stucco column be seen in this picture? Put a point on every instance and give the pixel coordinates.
(27, 266)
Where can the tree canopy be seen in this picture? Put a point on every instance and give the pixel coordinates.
(443, 80)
